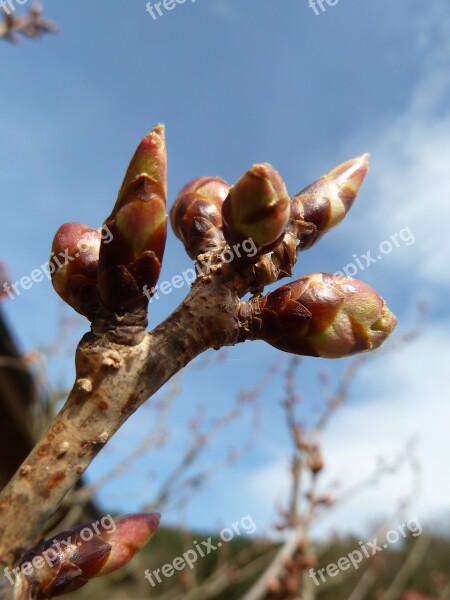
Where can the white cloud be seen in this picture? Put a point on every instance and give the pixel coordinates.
(409, 183)
(409, 187)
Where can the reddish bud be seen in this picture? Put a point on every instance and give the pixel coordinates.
(130, 263)
(196, 215)
(73, 266)
(67, 561)
(324, 203)
(257, 208)
(323, 315)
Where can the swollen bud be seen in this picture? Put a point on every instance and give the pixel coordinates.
(323, 315)
(257, 208)
(73, 267)
(66, 562)
(324, 203)
(196, 215)
(315, 460)
(131, 262)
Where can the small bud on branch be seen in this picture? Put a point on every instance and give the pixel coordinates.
(73, 265)
(257, 208)
(138, 224)
(67, 561)
(324, 203)
(321, 315)
(196, 215)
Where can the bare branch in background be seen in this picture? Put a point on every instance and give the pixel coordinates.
(32, 25)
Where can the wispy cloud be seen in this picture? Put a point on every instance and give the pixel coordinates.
(410, 179)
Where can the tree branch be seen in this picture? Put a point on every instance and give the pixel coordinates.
(112, 381)
(110, 279)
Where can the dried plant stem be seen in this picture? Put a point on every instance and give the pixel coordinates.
(259, 590)
(408, 568)
(364, 584)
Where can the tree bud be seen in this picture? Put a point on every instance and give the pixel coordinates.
(73, 266)
(324, 203)
(257, 208)
(66, 562)
(131, 262)
(196, 215)
(322, 315)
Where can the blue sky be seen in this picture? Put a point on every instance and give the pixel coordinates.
(238, 82)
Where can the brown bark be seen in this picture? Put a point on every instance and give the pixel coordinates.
(112, 381)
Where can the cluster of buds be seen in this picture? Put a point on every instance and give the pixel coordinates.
(111, 267)
(317, 315)
(71, 558)
(256, 208)
(32, 25)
